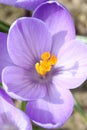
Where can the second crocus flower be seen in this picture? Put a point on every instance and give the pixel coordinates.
(11, 118)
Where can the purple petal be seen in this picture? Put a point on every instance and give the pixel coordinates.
(28, 38)
(29, 4)
(8, 2)
(5, 96)
(51, 115)
(57, 18)
(4, 57)
(72, 65)
(19, 84)
(10, 115)
(58, 41)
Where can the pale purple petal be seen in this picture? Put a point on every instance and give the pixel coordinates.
(29, 4)
(4, 57)
(72, 65)
(28, 38)
(51, 115)
(19, 84)
(8, 2)
(57, 18)
(12, 117)
(58, 41)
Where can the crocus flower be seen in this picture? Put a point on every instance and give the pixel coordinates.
(11, 118)
(26, 4)
(47, 62)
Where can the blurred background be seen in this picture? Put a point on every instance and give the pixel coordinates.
(78, 10)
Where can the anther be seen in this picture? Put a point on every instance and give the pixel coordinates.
(46, 63)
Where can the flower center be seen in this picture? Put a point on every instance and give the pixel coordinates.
(46, 63)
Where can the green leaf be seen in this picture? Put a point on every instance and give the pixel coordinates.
(0, 85)
(37, 128)
(82, 38)
(4, 27)
(23, 106)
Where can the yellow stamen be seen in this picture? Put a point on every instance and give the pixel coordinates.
(46, 63)
(53, 60)
(45, 56)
